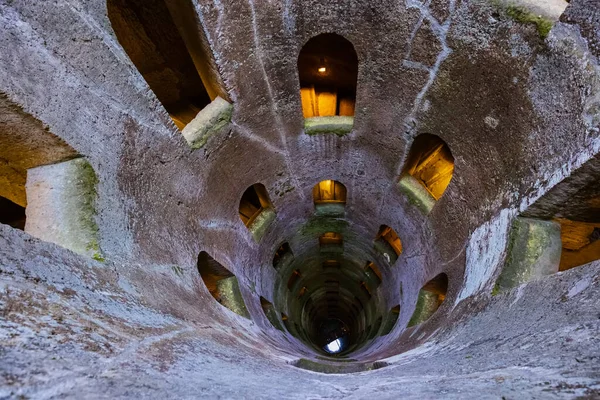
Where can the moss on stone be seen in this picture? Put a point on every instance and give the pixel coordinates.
(98, 257)
(177, 270)
(533, 251)
(261, 223)
(344, 368)
(318, 225)
(522, 15)
(231, 296)
(330, 209)
(338, 125)
(416, 194)
(427, 305)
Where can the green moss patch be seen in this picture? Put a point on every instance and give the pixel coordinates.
(522, 15)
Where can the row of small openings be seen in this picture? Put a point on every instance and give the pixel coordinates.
(327, 69)
(430, 164)
(256, 210)
(430, 298)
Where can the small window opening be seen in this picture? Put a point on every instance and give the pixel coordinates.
(329, 191)
(375, 328)
(254, 200)
(294, 278)
(256, 210)
(389, 242)
(331, 264)
(431, 163)
(302, 291)
(580, 243)
(331, 238)
(12, 214)
(365, 289)
(270, 312)
(283, 253)
(221, 283)
(373, 273)
(152, 41)
(330, 198)
(391, 320)
(287, 323)
(431, 297)
(328, 71)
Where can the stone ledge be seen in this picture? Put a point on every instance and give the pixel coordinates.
(261, 223)
(416, 193)
(208, 122)
(338, 125)
(231, 296)
(534, 250)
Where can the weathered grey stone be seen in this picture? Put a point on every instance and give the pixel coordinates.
(211, 120)
(427, 305)
(61, 209)
(231, 296)
(518, 112)
(534, 249)
(261, 223)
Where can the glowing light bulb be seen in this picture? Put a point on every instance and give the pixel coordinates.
(322, 70)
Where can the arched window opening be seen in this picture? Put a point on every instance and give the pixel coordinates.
(293, 280)
(391, 320)
(429, 165)
(12, 214)
(270, 313)
(287, 323)
(329, 197)
(302, 291)
(373, 274)
(222, 284)
(388, 243)
(331, 239)
(283, 256)
(431, 296)
(151, 39)
(37, 169)
(328, 71)
(365, 290)
(256, 210)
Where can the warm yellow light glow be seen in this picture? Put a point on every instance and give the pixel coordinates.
(322, 70)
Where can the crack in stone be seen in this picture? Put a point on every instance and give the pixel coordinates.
(440, 31)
